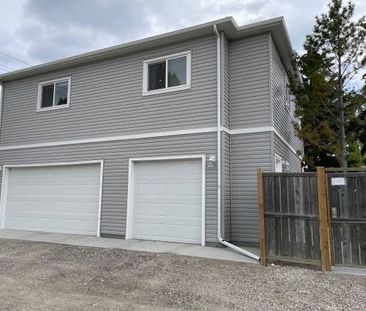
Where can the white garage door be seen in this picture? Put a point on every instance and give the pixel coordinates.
(61, 199)
(167, 201)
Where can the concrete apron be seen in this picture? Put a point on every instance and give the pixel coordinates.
(134, 245)
(359, 271)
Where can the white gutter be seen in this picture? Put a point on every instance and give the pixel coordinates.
(219, 129)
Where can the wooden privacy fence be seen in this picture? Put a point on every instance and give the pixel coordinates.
(347, 203)
(294, 218)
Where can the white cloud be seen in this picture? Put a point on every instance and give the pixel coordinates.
(41, 30)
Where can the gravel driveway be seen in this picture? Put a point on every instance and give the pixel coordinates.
(43, 276)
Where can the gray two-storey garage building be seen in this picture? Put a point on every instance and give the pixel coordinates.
(156, 139)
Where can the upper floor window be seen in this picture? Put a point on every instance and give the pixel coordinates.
(54, 94)
(168, 73)
(289, 100)
(278, 164)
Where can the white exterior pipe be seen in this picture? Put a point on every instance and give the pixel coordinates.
(219, 128)
(1, 101)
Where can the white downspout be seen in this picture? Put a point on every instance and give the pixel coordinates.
(219, 128)
(1, 101)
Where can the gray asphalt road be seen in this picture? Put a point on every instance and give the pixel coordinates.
(42, 276)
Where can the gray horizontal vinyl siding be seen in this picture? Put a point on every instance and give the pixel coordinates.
(106, 99)
(281, 149)
(116, 156)
(247, 153)
(249, 82)
(226, 84)
(283, 121)
(226, 184)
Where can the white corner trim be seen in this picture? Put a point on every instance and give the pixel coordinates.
(166, 58)
(110, 138)
(39, 97)
(130, 190)
(5, 172)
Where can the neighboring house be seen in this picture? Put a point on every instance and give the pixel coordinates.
(150, 139)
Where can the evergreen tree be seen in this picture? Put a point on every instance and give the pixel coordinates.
(329, 103)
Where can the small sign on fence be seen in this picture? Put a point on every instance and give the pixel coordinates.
(338, 181)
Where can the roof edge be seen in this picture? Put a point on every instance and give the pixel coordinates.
(226, 24)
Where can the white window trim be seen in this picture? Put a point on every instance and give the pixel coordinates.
(130, 191)
(4, 186)
(278, 158)
(146, 64)
(39, 99)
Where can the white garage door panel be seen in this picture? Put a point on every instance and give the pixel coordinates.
(167, 200)
(54, 198)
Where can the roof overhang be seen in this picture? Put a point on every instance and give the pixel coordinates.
(227, 25)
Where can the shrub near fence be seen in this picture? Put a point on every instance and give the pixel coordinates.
(294, 220)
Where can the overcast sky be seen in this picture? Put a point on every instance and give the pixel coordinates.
(37, 31)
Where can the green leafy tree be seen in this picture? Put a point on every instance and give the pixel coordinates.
(328, 100)
(357, 132)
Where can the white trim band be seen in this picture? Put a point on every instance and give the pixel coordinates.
(249, 130)
(262, 129)
(111, 138)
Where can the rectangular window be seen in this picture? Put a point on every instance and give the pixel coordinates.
(156, 76)
(167, 73)
(278, 164)
(54, 94)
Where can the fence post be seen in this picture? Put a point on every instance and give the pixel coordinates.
(262, 227)
(321, 181)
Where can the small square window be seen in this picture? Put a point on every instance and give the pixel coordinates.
(167, 73)
(54, 94)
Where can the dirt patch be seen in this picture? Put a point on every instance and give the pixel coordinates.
(44, 276)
